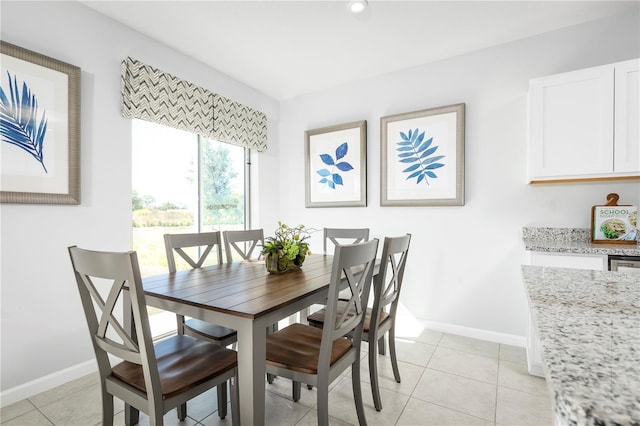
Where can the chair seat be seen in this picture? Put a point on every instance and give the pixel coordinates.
(183, 363)
(297, 348)
(207, 329)
(317, 318)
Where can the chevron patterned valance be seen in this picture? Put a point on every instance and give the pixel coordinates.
(234, 123)
(153, 95)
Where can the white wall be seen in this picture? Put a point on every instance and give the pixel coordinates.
(463, 271)
(43, 328)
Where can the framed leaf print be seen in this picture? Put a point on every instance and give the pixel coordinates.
(335, 166)
(39, 128)
(422, 158)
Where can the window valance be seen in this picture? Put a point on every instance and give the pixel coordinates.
(235, 123)
(152, 95)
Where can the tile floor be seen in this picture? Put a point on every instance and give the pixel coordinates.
(446, 380)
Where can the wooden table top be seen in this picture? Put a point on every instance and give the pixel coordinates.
(244, 289)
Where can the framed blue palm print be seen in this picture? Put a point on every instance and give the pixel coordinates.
(335, 165)
(422, 157)
(39, 128)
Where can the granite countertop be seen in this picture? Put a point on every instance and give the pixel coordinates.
(572, 240)
(588, 323)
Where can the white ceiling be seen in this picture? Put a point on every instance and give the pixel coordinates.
(288, 48)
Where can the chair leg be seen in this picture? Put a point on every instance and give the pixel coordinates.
(180, 324)
(235, 400)
(323, 401)
(107, 409)
(131, 415)
(222, 400)
(357, 391)
(296, 390)
(156, 416)
(182, 411)
(304, 314)
(392, 352)
(373, 375)
(381, 346)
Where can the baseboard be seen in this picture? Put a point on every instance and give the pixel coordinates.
(72, 373)
(46, 383)
(476, 333)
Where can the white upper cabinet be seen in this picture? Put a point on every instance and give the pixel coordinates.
(585, 124)
(626, 154)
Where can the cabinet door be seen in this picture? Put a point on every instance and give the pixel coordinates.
(627, 117)
(571, 124)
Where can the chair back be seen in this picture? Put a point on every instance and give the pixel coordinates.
(388, 282)
(174, 243)
(250, 238)
(339, 235)
(102, 278)
(351, 274)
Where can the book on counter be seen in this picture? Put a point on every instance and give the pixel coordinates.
(613, 223)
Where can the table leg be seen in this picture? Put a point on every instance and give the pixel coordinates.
(252, 348)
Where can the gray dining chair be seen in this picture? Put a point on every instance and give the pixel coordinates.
(335, 236)
(175, 243)
(243, 243)
(344, 236)
(152, 378)
(207, 243)
(381, 318)
(317, 356)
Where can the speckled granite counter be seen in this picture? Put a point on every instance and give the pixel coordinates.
(588, 323)
(572, 240)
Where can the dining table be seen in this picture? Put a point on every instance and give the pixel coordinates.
(246, 297)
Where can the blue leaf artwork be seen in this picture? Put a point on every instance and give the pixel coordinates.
(330, 177)
(417, 152)
(19, 124)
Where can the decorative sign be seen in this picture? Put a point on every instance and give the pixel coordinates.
(612, 223)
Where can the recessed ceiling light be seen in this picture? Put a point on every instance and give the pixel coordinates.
(357, 6)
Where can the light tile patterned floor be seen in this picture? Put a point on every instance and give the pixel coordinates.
(446, 380)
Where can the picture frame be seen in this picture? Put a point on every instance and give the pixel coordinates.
(336, 165)
(422, 157)
(40, 128)
(612, 223)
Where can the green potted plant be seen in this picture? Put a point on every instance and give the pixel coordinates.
(287, 249)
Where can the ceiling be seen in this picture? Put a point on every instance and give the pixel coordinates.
(288, 48)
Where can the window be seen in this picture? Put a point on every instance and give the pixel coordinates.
(182, 182)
